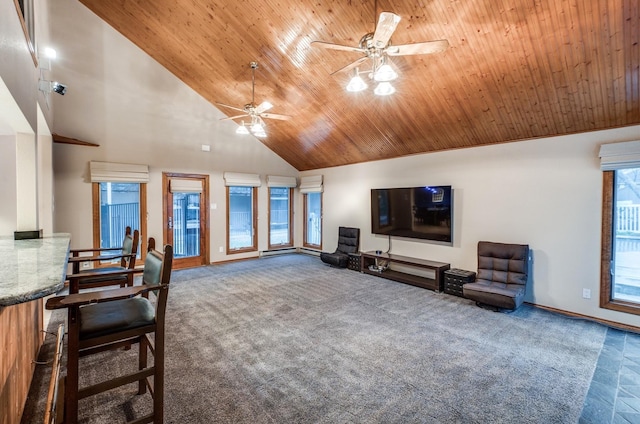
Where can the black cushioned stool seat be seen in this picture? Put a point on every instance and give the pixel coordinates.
(112, 317)
(107, 277)
(495, 294)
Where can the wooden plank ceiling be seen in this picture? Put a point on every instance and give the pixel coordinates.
(513, 71)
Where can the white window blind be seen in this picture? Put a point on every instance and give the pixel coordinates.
(242, 180)
(185, 186)
(276, 181)
(620, 155)
(311, 184)
(118, 172)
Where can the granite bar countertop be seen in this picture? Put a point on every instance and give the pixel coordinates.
(31, 269)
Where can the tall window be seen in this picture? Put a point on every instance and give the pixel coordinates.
(117, 205)
(313, 220)
(241, 219)
(280, 212)
(620, 277)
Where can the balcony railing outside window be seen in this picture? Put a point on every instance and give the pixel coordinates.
(626, 248)
(186, 224)
(119, 208)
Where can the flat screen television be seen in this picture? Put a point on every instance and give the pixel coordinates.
(416, 212)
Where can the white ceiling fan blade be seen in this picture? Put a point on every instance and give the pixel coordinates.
(426, 47)
(351, 65)
(387, 24)
(333, 46)
(233, 117)
(264, 106)
(275, 116)
(230, 107)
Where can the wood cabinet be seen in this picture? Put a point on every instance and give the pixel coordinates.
(417, 272)
(21, 335)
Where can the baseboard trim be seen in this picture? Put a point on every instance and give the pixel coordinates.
(613, 324)
(283, 251)
(228, 261)
(308, 251)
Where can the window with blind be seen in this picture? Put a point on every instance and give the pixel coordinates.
(280, 210)
(119, 200)
(242, 207)
(311, 188)
(241, 234)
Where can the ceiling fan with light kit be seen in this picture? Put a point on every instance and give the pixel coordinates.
(377, 49)
(256, 125)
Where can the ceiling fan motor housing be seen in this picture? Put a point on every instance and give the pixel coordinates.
(367, 43)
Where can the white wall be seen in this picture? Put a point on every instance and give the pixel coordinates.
(26, 170)
(546, 193)
(17, 69)
(45, 175)
(8, 186)
(18, 166)
(23, 154)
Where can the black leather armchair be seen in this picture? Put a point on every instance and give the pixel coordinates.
(348, 243)
(503, 271)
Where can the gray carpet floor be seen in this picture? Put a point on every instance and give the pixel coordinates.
(287, 339)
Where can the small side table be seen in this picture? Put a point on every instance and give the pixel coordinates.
(455, 278)
(354, 261)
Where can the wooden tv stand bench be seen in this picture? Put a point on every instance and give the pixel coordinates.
(371, 260)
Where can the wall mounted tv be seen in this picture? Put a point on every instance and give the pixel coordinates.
(416, 212)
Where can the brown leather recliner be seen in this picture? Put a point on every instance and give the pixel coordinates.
(503, 272)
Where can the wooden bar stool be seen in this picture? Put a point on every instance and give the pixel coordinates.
(114, 318)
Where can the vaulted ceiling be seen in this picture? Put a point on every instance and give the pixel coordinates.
(513, 70)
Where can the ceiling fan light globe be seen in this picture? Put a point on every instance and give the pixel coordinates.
(356, 84)
(257, 128)
(260, 134)
(384, 89)
(385, 73)
(242, 129)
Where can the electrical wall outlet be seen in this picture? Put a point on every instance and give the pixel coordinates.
(586, 293)
(221, 249)
(86, 265)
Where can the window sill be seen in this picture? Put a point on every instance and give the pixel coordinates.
(621, 306)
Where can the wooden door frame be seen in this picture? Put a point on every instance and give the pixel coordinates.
(95, 201)
(204, 258)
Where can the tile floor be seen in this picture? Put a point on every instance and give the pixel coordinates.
(614, 394)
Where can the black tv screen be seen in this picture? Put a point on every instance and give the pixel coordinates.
(416, 212)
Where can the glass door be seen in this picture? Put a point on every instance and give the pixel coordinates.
(186, 218)
(313, 220)
(626, 236)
